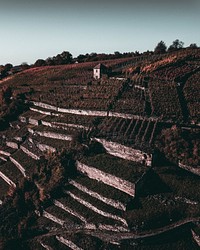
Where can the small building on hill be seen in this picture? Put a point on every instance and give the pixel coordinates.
(99, 70)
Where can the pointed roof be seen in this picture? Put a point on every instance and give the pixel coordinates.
(100, 66)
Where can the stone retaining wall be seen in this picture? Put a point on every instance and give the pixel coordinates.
(5, 153)
(44, 147)
(63, 125)
(12, 144)
(44, 112)
(196, 237)
(3, 158)
(34, 121)
(29, 153)
(53, 218)
(69, 210)
(114, 203)
(111, 180)
(124, 152)
(112, 228)
(6, 179)
(19, 166)
(97, 210)
(51, 135)
(193, 170)
(45, 246)
(45, 105)
(87, 112)
(68, 243)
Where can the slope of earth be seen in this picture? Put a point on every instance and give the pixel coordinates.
(131, 169)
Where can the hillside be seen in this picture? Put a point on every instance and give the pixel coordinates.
(109, 163)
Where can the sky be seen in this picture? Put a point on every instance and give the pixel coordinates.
(39, 29)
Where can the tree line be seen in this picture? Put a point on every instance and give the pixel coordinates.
(66, 57)
(161, 47)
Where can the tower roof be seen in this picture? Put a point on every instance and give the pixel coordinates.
(100, 66)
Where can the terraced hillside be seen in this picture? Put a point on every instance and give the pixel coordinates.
(102, 164)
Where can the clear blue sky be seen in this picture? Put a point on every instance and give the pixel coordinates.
(33, 29)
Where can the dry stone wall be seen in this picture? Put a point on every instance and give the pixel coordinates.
(51, 135)
(29, 153)
(6, 179)
(53, 218)
(111, 180)
(18, 165)
(3, 152)
(69, 210)
(45, 246)
(111, 202)
(12, 144)
(68, 243)
(42, 147)
(193, 170)
(97, 210)
(124, 152)
(44, 112)
(62, 125)
(196, 237)
(84, 112)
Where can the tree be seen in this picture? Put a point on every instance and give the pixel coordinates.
(49, 61)
(40, 63)
(176, 45)
(193, 46)
(64, 58)
(160, 48)
(6, 95)
(25, 66)
(81, 58)
(8, 67)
